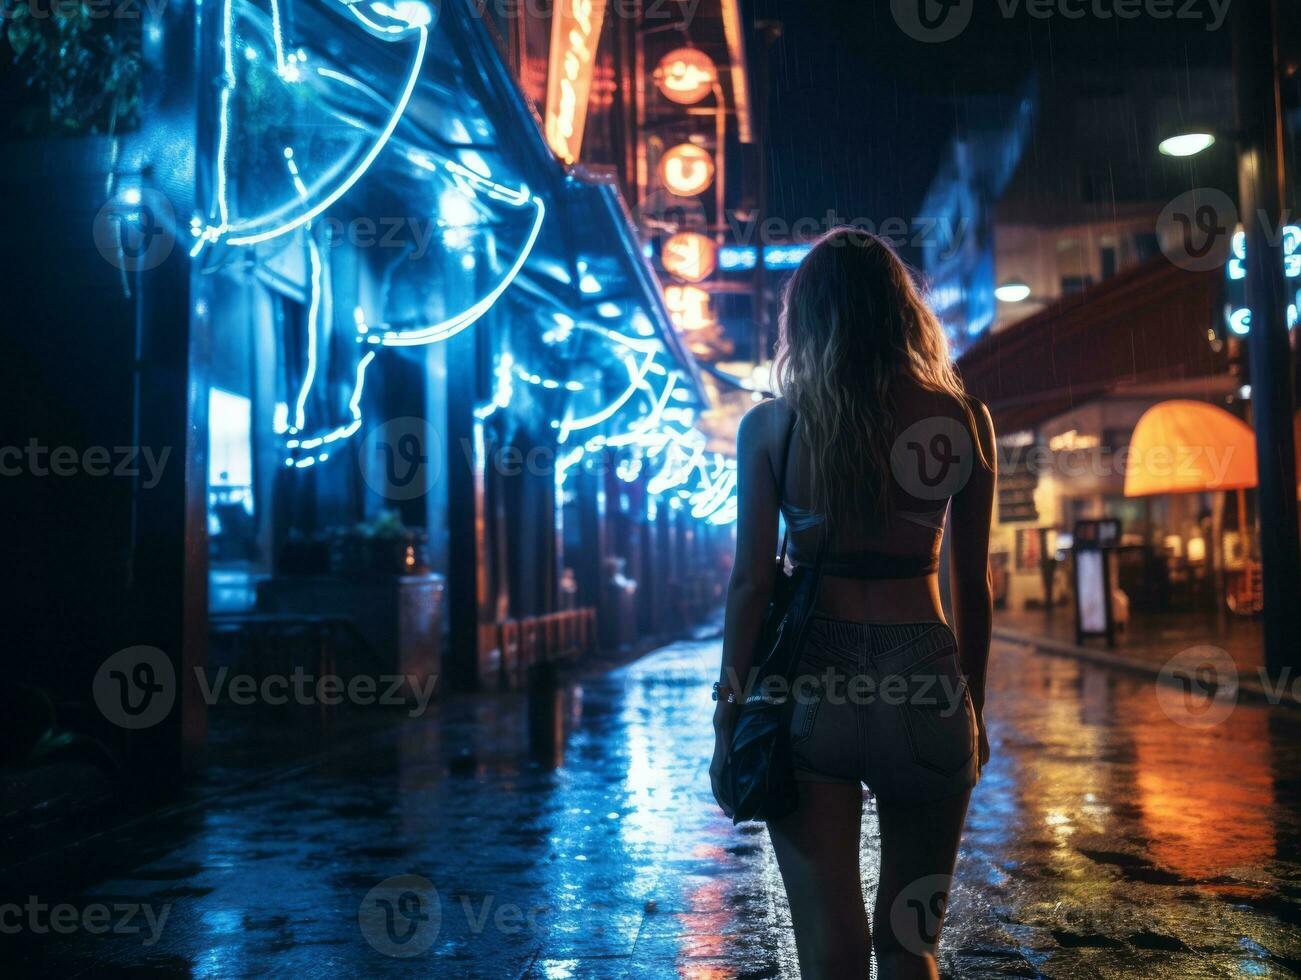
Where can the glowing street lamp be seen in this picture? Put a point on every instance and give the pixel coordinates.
(1186, 144)
(1013, 291)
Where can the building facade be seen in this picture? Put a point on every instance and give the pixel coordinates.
(1093, 315)
(395, 329)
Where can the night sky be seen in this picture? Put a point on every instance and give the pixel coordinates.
(860, 112)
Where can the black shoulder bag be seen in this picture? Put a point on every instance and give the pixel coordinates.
(759, 775)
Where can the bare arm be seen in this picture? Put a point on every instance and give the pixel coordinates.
(753, 571)
(973, 605)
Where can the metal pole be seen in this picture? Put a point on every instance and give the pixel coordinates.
(639, 81)
(1261, 196)
(769, 32)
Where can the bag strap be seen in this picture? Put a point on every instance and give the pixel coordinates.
(781, 484)
(781, 490)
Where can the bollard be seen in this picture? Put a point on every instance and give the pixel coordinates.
(544, 715)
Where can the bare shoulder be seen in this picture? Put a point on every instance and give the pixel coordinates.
(763, 428)
(771, 416)
(984, 423)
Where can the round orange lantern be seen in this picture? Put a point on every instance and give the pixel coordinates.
(686, 75)
(687, 170)
(690, 255)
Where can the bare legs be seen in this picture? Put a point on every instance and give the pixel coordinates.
(919, 845)
(817, 849)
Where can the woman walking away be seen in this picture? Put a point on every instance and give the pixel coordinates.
(872, 447)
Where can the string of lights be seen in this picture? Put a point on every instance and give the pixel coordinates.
(658, 443)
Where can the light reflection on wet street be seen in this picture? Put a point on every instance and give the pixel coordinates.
(1103, 841)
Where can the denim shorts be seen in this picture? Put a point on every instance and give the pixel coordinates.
(884, 705)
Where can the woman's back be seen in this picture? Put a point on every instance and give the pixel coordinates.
(882, 549)
(873, 443)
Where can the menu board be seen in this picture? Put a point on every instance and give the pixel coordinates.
(1018, 478)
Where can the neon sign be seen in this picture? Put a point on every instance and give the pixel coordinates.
(410, 16)
(1237, 314)
(740, 258)
(575, 33)
(661, 444)
(689, 306)
(396, 21)
(297, 445)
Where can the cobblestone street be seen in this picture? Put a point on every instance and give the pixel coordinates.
(1103, 841)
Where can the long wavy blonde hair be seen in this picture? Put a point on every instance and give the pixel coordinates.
(852, 324)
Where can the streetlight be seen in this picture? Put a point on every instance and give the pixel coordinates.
(1261, 177)
(1261, 168)
(1013, 291)
(1187, 144)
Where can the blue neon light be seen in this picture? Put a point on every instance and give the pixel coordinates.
(661, 441)
(1238, 314)
(739, 258)
(450, 327)
(412, 16)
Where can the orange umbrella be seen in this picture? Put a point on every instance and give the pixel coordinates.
(1183, 446)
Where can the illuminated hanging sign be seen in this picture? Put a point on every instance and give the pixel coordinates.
(740, 258)
(1073, 441)
(689, 306)
(686, 170)
(686, 76)
(690, 255)
(1237, 314)
(575, 33)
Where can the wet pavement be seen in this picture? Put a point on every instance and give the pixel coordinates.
(1105, 840)
(1153, 638)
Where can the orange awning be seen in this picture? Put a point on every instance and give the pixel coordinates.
(1185, 446)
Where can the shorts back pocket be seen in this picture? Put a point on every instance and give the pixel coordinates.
(937, 713)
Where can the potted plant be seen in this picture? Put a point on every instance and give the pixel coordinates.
(384, 546)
